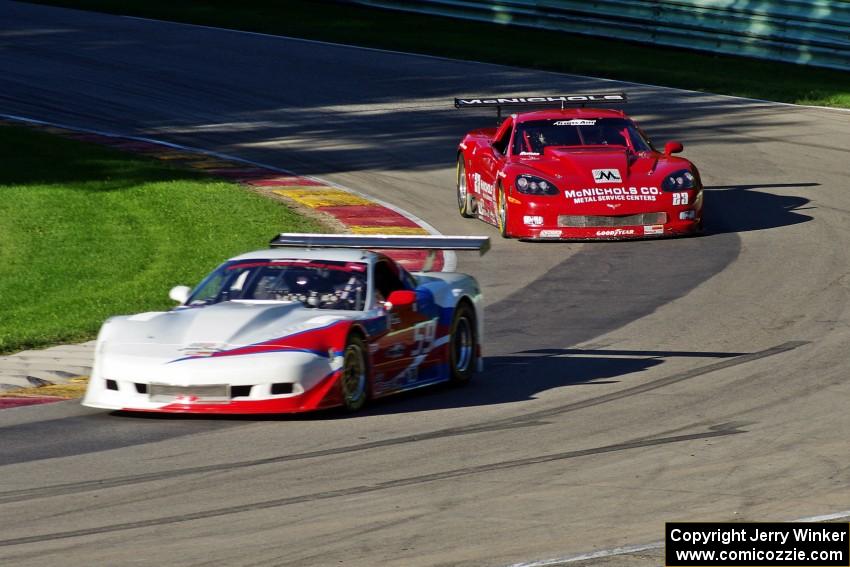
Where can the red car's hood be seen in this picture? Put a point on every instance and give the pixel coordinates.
(574, 168)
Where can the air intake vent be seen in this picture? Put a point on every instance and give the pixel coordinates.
(589, 221)
(240, 391)
(112, 385)
(281, 388)
(141, 388)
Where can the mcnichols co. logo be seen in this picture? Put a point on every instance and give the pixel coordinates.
(607, 176)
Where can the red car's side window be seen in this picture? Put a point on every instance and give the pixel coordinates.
(503, 137)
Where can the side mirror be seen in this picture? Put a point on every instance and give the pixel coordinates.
(180, 293)
(401, 298)
(673, 148)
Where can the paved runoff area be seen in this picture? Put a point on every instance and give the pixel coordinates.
(24, 375)
(57, 373)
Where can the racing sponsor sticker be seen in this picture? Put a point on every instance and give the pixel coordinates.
(616, 232)
(404, 378)
(575, 122)
(653, 229)
(395, 351)
(602, 194)
(532, 220)
(550, 233)
(203, 349)
(607, 176)
(482, 186)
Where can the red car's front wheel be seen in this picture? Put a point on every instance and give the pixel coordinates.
(502, 213)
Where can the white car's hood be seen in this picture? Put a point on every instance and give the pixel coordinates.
(222, 326)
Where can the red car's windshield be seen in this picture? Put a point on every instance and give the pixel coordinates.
(534, 136)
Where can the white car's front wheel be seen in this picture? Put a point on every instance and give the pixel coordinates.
(354, 381)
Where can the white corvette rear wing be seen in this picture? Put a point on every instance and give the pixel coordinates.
(431, 243)
(543, 100)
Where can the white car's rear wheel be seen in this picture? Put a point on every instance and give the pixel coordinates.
(354, 381)
(462, 344)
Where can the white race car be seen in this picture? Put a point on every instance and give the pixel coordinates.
(316, 321)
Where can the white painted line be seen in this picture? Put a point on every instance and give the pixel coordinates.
(593, 555)
(449, 257)
(826, 517)
(468, 61)
(625, 550)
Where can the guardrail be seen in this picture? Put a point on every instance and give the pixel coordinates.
(811, 32)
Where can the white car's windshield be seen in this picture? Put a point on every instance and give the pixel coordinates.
(534, 136)
(321, 284)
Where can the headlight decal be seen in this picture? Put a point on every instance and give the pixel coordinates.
(533, 185)
(681, 180)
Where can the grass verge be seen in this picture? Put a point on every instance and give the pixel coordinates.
(87, 232)
(357, 25)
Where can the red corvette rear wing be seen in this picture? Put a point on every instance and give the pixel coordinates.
(431, 243)
(555, 100)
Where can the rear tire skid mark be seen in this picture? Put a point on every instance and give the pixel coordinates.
(366, 489)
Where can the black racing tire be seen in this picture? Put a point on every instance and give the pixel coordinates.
(354, 381)
(502, 212)
(464, 199)
(462, 344)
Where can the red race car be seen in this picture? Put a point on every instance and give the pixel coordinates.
(574, 173)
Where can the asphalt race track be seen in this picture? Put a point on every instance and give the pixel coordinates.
(627, 384)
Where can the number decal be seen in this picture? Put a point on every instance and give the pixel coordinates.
(680, 198)
(424, 334)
